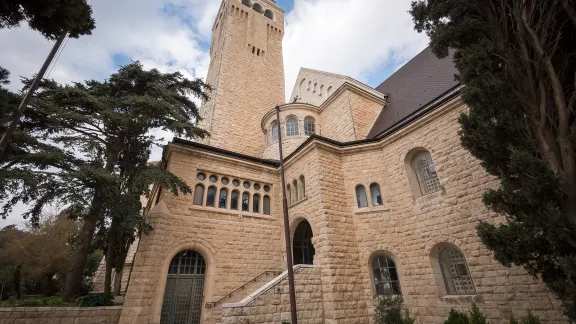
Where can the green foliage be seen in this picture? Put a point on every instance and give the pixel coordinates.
(95, 300)
(391, 310)
(49, 17)
(528, 319)
(517, 62)
(88, 145)
(54, 301)
(476, 316)
(457, 317)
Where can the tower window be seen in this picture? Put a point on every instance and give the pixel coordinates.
(268, 13)
(361, 196)
(309, 126)
(292, 127)
(376, 194)
(246, 3)
(275, 131)
(258, 8)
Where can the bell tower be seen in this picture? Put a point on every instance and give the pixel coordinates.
(246, 73)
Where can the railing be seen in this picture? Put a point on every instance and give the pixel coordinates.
(213, 304)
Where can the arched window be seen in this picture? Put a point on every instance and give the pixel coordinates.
(455, 272)
(376, 194)
(302, 87)
(361, 196)
(246, 2)
(426, 173)
(302, 188)
(274, 131)
(266, 205)
(386, 281)
(292, 127)
(257, 7)
(211, 197)
(198, 195)
(187, 269)
(223, 197)
(256, 203)
(309, 126)
(329, 91)
(289, 194)
(295, 191)
(234, 200)
(321, 90)
(268, 13)
(245, 202)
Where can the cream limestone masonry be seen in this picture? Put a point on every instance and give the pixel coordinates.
(60, 315)
(314, 87)
(247, 75)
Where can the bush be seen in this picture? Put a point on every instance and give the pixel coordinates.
(529, 319)
(94, 300)
(36, 302)
(476, 316)
(456, 317)
(391, 310)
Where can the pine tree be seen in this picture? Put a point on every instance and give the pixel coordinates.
(101, 137)
(517, 63)
(49, 17)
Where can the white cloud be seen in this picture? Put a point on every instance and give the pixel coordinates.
(350, 37)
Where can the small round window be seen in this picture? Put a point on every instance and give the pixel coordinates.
(225, 181)
(256, 187)
(236, 182)
(247, 184)
(201, 176)
(213, 178)
(267, 188)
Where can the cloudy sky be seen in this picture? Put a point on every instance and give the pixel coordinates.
(365, 39)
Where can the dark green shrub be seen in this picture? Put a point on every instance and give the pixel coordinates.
(36, 302)
(528, 319)
(476, 316)
(456, 317)
(391, 310)
(94, 300)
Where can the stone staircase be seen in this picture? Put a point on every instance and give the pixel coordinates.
(241, 292)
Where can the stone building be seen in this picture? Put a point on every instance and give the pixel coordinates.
(383, 200)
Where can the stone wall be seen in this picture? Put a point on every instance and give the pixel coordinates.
(237, 246)
(247, 74)
(60, 315)
(271, 303)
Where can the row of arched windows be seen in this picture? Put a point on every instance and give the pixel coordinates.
(453, 269)
(232, 201)
(320, 90)
(254, 198)
(293, 127)
(258, 8)
(296, 191)
(423, 171)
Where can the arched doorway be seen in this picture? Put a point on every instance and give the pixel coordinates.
(302, 247)
(184, 292)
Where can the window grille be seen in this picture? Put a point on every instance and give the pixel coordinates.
(292, 127)
(426, 174)
(455, 272)
(386, 281)
(309, 127)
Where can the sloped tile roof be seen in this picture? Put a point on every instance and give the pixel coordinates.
(418, 83)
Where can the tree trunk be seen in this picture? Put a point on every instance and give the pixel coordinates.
(16, 280)
(75, 273)
(110, 254)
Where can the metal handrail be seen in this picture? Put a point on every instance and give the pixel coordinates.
(229, 295)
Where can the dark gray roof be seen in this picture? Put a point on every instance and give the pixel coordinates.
(414, 86)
